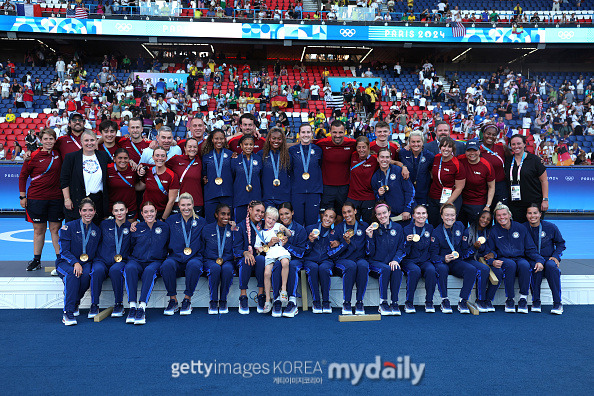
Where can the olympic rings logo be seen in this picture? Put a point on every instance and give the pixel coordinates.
(348, 32)
(565, 35)
(569, 178)
(123, 27)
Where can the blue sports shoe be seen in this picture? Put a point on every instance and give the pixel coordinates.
(172, 308)
(140, 317)
(223, 309)
(131, 315)
(94, 311)
(244, 309)
(186, 307)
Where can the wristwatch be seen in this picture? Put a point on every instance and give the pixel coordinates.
(21, 198)
(545, 199)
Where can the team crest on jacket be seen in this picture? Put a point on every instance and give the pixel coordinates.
(228, 234)
(64, 227)
(543, 234)
(224, 155)
(393, 232)
(458, 233)
(516, 235)
(93, 233)
(359, 232)
(125, 231)
(194, 223)
(332, 232)
(464, 238)
(255, 162)
(312, 151)
(432, 239)
(158, 230)
(427, 234)
(423, 159)
(392, 177)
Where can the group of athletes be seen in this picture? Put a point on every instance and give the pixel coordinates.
(255, 205)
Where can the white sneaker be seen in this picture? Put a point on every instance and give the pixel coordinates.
(267, 307)
(284, 297)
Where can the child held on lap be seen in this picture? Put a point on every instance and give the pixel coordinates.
(273, 247)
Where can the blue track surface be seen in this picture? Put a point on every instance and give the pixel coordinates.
(493, 353)
(16, 239)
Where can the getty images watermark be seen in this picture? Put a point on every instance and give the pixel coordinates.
(308, 371)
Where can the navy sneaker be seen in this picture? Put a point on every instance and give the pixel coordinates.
(326, 308)
(94, 311)
(213, 309)
(384, 308)
(557, 309)
(446, 308)
(359, 308)
(172, 307)
(347, 309)
(409, 307)
(261, 303)
(223, 309)
(76, 311)
(316, 307)
(131, 315)
(277, 309)
(395, 308)
(118, 310)
(186, 307)
(291, 310)
(244, 309)
(536, 306)
(429, 307)
(510, 305)
(140, 317)
(490, 307)
(68, 319)
(463, 307)
(481, 305)
(523, 306)
(34, 265)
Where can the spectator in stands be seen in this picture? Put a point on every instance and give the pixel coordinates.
(494, 16)
(10, 117)
(60, 68)
(28, 98)
(556, 4)
(518, 10)
(314, 90)
(2, 151)
(5, 88)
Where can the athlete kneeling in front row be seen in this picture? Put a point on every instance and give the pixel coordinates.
(511, 247)
(116, 242)
(385, 248)
(185, 254)
(549, 243)
(79, 241)
(149, 241)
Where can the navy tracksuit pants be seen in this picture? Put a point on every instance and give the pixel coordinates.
(102, 270)
(172, 269)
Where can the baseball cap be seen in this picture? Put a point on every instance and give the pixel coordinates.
(472, 145)
(75, 114)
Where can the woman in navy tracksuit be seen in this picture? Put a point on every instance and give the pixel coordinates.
(296, 245)
(385, 248)
(276, 162)
(79, 241)
(476, 236)
(149, 248)
(218, 255)
(306, 177)
(417, 261)
(216, 173)
(509, 248)
(317, 262)
(247, 171)
(450, 250)
(116, 242)
(419, 163)
(244, 239)
(549, 243)
(185, 254)
(388, 185)
(349, 258)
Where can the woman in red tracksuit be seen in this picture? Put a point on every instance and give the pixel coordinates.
(363, 166)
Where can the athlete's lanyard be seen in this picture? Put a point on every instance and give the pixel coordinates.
(361, 163)
(105, 148)
(48, 168)
(124, 179)
(488, 150)
(134, 147)
(511, 169)
(539, 237)
(448, 238)
(421, 158)
(75, 142)
(439, 171)
(181, 179)
(159, 184)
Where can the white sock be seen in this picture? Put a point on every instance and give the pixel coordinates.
(443, 298)
(523, 296)
(142, 305)
(132, 305)
(293, 299)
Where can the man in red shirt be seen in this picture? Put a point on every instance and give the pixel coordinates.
(108, 130)
(336, 166)
(247, 125)
(382, 131)
(197, 129)
(478, 192)
(71, 142)
(135, 143)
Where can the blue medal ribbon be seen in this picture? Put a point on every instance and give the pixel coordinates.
(220, 244)
(445, 232)
(159, 184)
(258, 232)
(355, 228)
(85, 236)
(187, 236)
(305, 162)
(387, 177)
(320, 228)
(218, 165)
(275, 165)
(423, 232)
(118, 241)
(539, 238)
(248, 176)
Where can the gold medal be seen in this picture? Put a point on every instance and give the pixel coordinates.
(84, 257)
(416, 238)
(219, 181)
(187, 251)
(349, 233)
(265, 248)
(280, 235)
(219, 261)
(374, 225)
(315, 232)
(481, 240)
(117, 258)
(305, 176)
(455, 254)
(248, 188)
(276, 182)
(386, 188)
